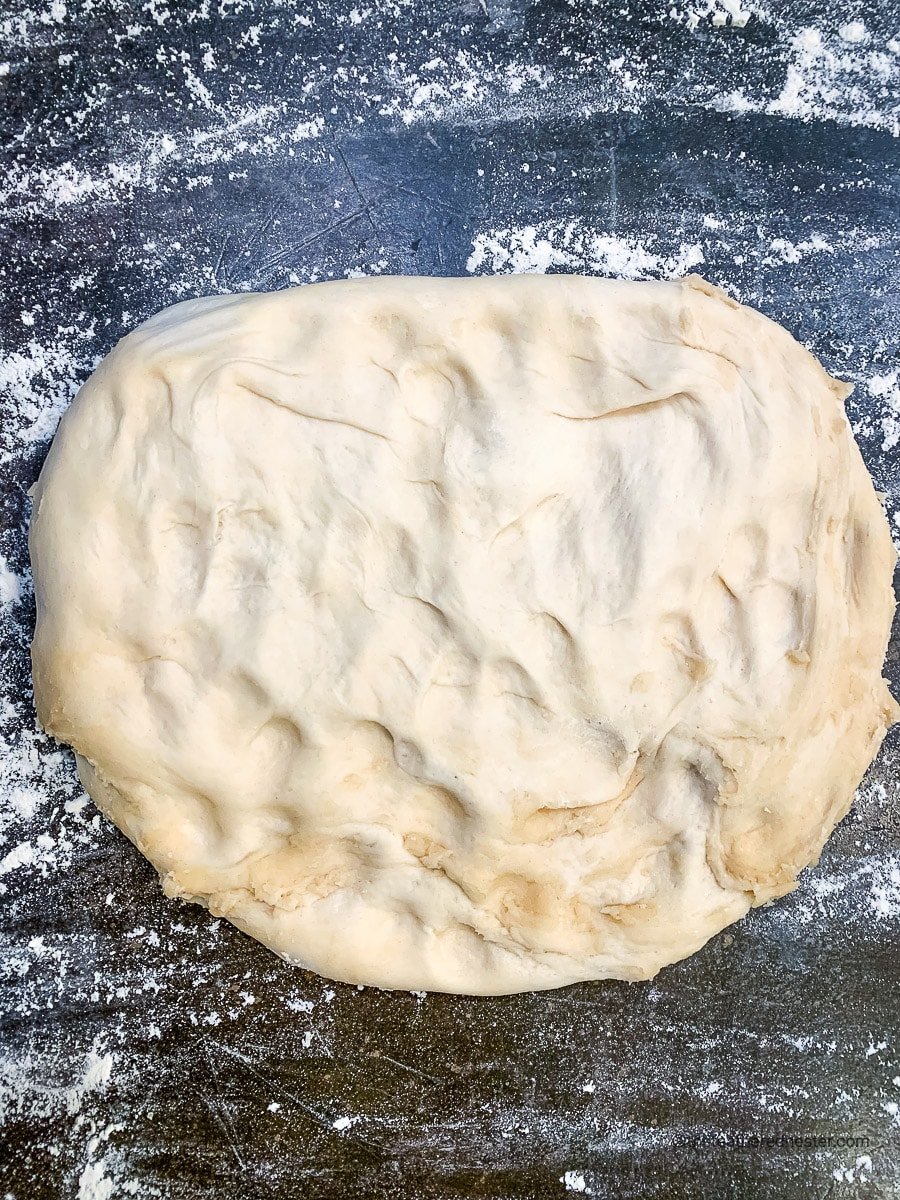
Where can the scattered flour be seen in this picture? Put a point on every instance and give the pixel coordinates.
(24, 1086)
(858, 1173)
(719, 13)
(842, 77)
(574, 1181)
(849, 74)
(536, 249)
(573, 246)
(10, 584)
(36, 385)
(887, 389)
(222, 121)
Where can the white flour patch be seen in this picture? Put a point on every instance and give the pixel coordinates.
(462, 83)
(858, 1173)
(234, 134)
(846, 77)
(34, 778)
(10, 584)
(574, 246)
(77, 1107)
(36, 386)
(574, 1181)
(863, 891)
(784, 250)
(536, 249)
(848, 74)
(24, 1087)
(886, 388)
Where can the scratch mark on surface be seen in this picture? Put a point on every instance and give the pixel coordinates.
(613, 191)
(263, 226)
(220, 275)
(431, 200)
(367, 204)
(219, 1110)
(286, 255)
(406, 1067)
(320, 1118)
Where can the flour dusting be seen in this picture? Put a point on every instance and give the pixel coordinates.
(843, 77)
(537, 249)
(155, 152)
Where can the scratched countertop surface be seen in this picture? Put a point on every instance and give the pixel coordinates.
(160, 150)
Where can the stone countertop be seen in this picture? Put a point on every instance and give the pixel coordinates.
(158, 151)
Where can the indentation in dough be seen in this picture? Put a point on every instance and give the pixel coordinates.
(457, 371)
(857, 544)
(528, 909)
(560, 644)
(712, 776)
(383, 752)
(724, 583)
(425, 394)
(396, 334)
(405, 668)
(550, 822)
(745, 558)
(515, 526)
(241, 553)
(603, 735)
(275, 747)
(408, 757)
(424, 848)
(454, 667)
(776, 609)
(726, 619)
(437, 616)
(511, 679)
(445, 867)
(391, 374)
(377, 740)
(169, 689)
(629, 916)
(404, 556)
(311, 416)
(309, 865)
(433, 484)
(450, 803)
(183, 551)
(678, 633)
(627, 410)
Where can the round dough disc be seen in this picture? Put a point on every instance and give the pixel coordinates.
(471, 635)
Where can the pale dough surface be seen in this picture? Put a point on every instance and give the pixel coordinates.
(472, 635)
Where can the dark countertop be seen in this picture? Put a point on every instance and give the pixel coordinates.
(162, 150)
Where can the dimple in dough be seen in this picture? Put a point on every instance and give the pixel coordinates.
(470, 635)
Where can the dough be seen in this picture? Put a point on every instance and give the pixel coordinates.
(470, 635)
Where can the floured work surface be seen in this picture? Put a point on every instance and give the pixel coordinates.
(147, 1046)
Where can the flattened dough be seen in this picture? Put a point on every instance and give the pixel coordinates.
(470, 635)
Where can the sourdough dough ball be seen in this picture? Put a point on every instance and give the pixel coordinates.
(471, 635)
